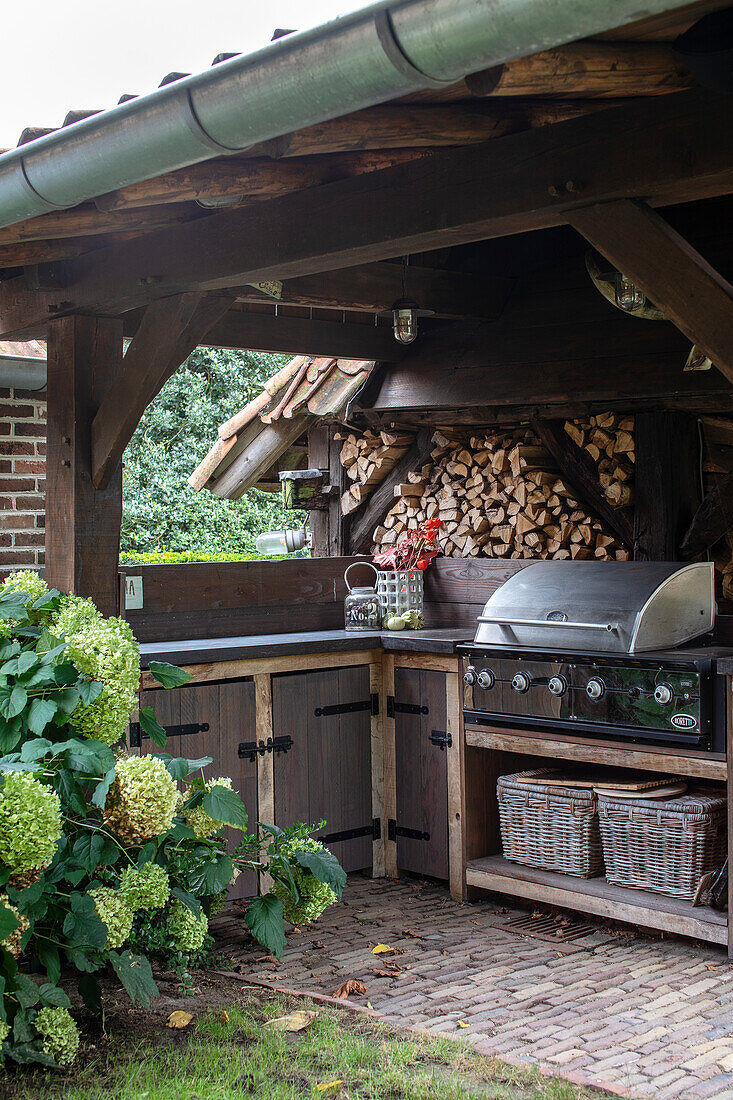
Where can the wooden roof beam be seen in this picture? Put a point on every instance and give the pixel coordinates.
(687, 289)
(169, 331)
(374, 287)
(665, 150)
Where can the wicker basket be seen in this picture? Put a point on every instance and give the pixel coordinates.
(555, 828)
(665, 847)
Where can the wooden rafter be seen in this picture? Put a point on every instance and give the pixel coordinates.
(169, 331)
(712, 519)
(669, 149)
(374, 287)
(670, 272)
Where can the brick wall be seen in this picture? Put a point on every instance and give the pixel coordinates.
(22, 479)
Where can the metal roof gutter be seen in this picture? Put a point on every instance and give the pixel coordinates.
(23, 372)
(380, 52)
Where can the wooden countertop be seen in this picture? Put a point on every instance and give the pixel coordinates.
(203, 650)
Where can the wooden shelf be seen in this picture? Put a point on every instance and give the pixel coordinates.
(595, 895)
(563, 747)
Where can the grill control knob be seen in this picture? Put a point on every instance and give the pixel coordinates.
(469, 676)
(595, 688)
(557, 685)
(663, 694)
(486, 679)
(520, 682)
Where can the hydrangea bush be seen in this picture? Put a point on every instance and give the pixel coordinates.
(104, 861)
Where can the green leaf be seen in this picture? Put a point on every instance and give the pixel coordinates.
(90, 992)
(35, 749)
(187, 899)
(225, 805)
(9, 649)
(212, 875)
(82, 926)
(40, 713)
(70, 792)
(49, 601)
(179, 767)
(12, 700)
(136, 975)
(48, 954)
(170, 676)
(80, 959)
(65, 674)
(52, 995)
(10, 734)
(8, 922)
(87, 850)
(325, 867)
(150, 725)
(89, 690)
(110, 853)
(67, 700)
(264, 918)
(27, 991)
(102, 790)
(12, 607)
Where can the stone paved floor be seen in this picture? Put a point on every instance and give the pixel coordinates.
(647, 1016)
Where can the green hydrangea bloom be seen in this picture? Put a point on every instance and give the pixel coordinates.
(113, 909)
(142, 800)
(187, 930)
(105, 650)
(217, 903)
(26, 581)
(60, 1034)
(4, 1031)
(30, 822)
(145, 888)
(197, 818)
(315, 896)
(12, 943)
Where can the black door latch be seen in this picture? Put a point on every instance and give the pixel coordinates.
(251, 749)
(442, 739)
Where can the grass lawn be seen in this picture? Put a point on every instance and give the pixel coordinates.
(226, 1054)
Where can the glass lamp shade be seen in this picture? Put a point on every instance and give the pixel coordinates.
(282, 542)
(405, 315)
(628, 295)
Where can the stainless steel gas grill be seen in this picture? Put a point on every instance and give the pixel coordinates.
(593, 648)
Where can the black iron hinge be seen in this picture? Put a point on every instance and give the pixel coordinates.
(374, 831)
(394, 830)
(273, 744)
(442, 739)
(371, 704)
(138, 734)
(404, 708)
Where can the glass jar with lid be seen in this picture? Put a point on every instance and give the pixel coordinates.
(362, 607)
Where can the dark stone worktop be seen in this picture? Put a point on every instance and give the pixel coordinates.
(210, 650)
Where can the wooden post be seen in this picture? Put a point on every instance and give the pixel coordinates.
(327, 527)
(82, 523)
(667, 483)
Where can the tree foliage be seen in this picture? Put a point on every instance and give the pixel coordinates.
(161, 512)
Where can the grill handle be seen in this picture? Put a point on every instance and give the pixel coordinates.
(506, 621)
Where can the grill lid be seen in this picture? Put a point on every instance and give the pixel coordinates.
(606, 607)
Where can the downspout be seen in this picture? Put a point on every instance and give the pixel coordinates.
(382, 51)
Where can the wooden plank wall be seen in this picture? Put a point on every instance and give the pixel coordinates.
(456, 589)
(228, 599)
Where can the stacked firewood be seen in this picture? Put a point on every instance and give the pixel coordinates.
(367, 459)
(609, 440)
(499, 494)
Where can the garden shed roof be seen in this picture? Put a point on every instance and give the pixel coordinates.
(250, 443)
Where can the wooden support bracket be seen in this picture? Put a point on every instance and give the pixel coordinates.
(381, 500)
(169, 331)
(670, 272)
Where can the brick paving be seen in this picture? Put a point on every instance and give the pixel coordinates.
(640, 1015)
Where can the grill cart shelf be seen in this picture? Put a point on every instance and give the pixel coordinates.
(493, 751)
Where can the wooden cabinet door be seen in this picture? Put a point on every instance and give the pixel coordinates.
(421, 773)
(228, 710)
(327, 771)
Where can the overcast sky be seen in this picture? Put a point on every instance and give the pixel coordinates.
(82, 54)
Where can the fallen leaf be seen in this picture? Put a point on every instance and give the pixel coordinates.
(327, 1085)
(179, 1019)
(410, 934)
(384, 973)
(318, 945)
(295, 1021)
(462, 1023)
(351, 986)
(370, 1005)
(712, 966)
(224, 1017)
(382, 949)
